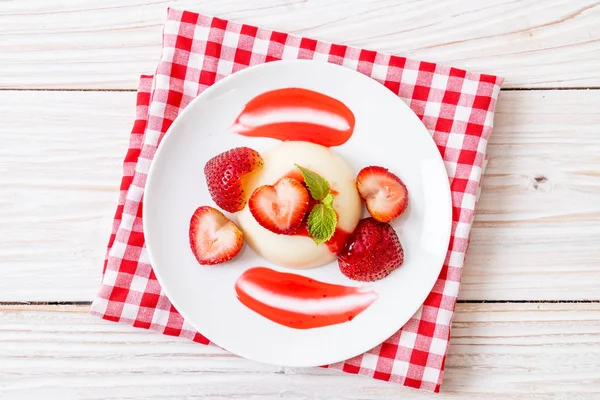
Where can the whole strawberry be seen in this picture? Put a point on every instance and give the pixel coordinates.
(372, 251)
(224, 174)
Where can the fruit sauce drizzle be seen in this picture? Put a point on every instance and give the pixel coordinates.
(289, 299)
(296, 114)
(300, 302)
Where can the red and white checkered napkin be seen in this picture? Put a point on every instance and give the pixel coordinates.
(456, 106)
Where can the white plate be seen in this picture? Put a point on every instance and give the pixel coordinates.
(387, 133)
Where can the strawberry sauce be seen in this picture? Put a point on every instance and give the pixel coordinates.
(335, 244)
(300, 302)
(296, 114)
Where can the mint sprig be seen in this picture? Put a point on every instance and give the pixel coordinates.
(321, 223)
(317, 185)
(328, 200)
(322, 220)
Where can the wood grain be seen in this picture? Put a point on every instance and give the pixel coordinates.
(86, 44)
(60, 166)
(498, 352)
(535, 238)
(537, 229)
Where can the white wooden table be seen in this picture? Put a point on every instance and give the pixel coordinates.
(528, 319)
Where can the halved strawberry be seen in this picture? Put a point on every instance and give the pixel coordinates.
(372, 251)
(280, 208)
(213, 237)
(224, 174)
(385, 194)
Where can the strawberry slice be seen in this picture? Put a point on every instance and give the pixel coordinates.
(224, 174)
(385, 194)
(280, 208)
(372, 251)
(213, 237)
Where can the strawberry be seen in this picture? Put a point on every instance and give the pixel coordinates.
(280, 208)
(213, 237)
(385, 194)
(224, 174)
(372, 251)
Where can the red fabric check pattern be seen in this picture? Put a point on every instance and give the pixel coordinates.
(456, 106)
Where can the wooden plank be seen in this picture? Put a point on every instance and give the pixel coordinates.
(64, 44)
(60, 163)
(537, 229)
(60, 166)
(498, 351)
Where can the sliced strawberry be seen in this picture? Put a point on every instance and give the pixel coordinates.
(224, 174)
(372, 251)
(213, 237)
(385, 194)
(280, 208)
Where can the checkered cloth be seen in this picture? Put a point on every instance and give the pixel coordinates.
(456, 106)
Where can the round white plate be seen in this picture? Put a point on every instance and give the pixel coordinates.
(387, 133)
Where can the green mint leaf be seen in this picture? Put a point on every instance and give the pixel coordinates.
(321, 223)
(328, 200)
(317, 185)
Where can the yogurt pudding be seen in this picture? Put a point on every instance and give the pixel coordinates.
(299, 250)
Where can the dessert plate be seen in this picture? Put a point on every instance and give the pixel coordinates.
(386, 133)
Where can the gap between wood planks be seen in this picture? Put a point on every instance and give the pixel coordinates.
(87, 303)
(515, 89)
